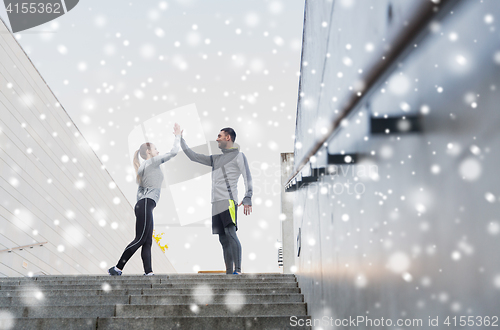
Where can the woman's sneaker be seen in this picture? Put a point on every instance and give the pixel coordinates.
(113, 271)
(149, 274)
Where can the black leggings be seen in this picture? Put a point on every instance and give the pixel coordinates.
(143, 235)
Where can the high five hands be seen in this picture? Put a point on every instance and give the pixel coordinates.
(247, 209)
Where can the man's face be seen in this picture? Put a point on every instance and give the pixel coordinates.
(223, 139)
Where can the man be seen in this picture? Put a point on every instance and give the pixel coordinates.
(226, 170)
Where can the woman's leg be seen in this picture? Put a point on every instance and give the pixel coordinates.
(235, 246)
(146, 247)
(140, 233)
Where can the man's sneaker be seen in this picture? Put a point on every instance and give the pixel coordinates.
(236, 273)
(113, 271)
(149, 274)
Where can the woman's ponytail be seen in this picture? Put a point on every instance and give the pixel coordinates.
(136, 166)
(143, 152)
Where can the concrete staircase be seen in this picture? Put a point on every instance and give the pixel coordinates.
(177, 301)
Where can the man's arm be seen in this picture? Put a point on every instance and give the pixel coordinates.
(195, 157)
(247, 178)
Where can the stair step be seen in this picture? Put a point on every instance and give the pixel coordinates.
(51, 323)
(111, 280)
(160, 323)
(213, 299)
(65, 301)
(94, 292)
(208, 322)
(103, 286)
(232, 308)
(232, 279)
(144, 299)
(71, 293)
(115, 286)
(259, 276)
(62, 311)
(142, 277)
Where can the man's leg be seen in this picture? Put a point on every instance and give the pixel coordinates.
(228, 255)
(235, 246)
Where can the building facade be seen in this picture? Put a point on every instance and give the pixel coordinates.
(396, 192)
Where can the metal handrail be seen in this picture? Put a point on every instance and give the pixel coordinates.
(416, 29)
(23, 247)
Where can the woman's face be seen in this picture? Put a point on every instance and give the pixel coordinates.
(153, 151)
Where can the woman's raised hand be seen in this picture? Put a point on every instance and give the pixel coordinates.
(177, 129)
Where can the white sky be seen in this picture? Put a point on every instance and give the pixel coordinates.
(115, 64)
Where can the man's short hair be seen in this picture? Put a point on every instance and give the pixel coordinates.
(231, 132)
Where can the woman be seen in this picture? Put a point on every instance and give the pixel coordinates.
(149, 179)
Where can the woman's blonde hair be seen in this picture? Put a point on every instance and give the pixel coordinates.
(143, 152)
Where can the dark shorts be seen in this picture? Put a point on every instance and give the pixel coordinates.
(224, 213)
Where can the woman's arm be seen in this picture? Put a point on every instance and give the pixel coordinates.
(175, 148)
(173, 152)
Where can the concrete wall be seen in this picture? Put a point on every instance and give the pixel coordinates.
(53, 188)
(419, 237)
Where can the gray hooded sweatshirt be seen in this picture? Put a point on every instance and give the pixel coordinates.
(233, 163)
